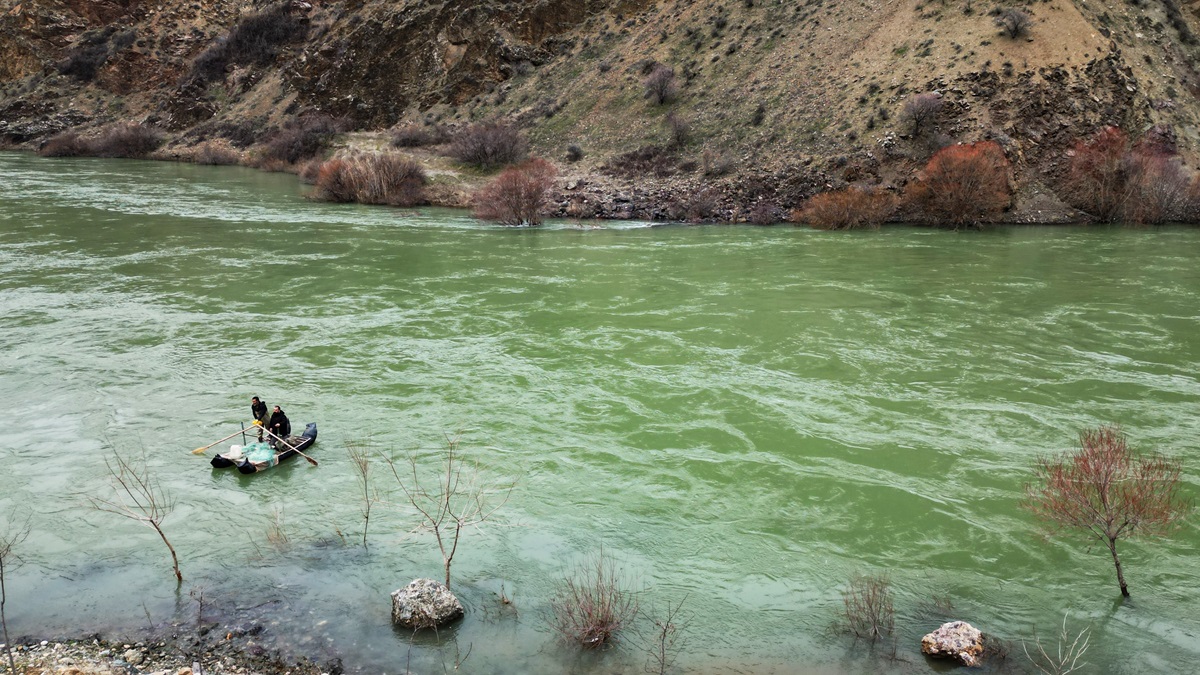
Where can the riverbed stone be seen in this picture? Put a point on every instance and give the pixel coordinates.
(956, 640)
(424, 603)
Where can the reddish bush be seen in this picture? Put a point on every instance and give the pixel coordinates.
(847, 209)
(489, 145)
(518, 194)
(962, 185)
(371, 179)
(301, 138)
(1113, 180)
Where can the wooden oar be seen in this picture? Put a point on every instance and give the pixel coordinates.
(200, 451)
(290, 446)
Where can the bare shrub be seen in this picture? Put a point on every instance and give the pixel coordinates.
(1014, 22)
(84, 61)
(14, 532)
(256, 39)
(962, 185)
(695, 206)
(1108, 492)
(417, 136)
(456, 501)
(593, 604)
(574, 153)
(1065, 657)
(489, 145)
(139, 497)
(216, 152)
(648, 160)
(921, 111)
(764, 213)
(1113, 180)
(65, 144)
(867, 607)
(667, 639)
(714, 163)
(660, 85)
(848, 209)
(127, 139)
(360, 458)
(301, 137)
(680, 130)
(518, 195)
(376, 178)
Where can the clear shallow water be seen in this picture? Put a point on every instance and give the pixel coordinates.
(742, 417)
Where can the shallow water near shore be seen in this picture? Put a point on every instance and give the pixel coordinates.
(741, 417)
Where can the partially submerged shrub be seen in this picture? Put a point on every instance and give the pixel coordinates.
(518, 195)
(593, 604)
(489, 145)
(371, 179)
(867, 607)
(847, 209)
(962, 185)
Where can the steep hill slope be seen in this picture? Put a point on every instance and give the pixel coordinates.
(777, 99)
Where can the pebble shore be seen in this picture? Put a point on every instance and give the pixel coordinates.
(96, 656)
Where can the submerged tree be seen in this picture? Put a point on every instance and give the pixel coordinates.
(457, 501)
(11, 537)
(1108, 492)
(139, 497)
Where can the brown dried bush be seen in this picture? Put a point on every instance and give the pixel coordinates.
(660, 85)
(518, 195)
(962, 185)
(593, 604)
(848, 209)
(65, 144)
(301, 138)
(371, 179)
(488, 145)
(648, 160)
(417, 136)
(126, 139)
(921, 111)
(216, 152)
(867, 607)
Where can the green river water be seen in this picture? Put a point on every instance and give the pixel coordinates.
(741, 417)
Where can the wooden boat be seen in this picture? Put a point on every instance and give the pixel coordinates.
(256, 457)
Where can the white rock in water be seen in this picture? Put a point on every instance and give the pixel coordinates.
(425, 603)
(956, 640)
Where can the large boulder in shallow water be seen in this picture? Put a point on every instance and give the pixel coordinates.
(956, 640)
(424, 603)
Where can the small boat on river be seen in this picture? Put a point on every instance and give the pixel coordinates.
(261, 456)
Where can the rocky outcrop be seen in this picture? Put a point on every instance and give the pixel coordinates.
(424, 603)
(956, 640)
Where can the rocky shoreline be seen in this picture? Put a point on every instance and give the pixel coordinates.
(180, 652)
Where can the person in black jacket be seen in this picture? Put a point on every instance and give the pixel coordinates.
(279, 425)
(258, 411)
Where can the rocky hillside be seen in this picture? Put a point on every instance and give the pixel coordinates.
(775, 100)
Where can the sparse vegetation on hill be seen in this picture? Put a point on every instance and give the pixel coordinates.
(745, 102)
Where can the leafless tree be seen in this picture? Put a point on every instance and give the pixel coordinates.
(1108, 492)
(11, 536)
(458, 501)
(139, 497)
(1066, 657)
(664, 648)
(920, 111)
(660, 84)
(867, 606)
(1014, 22)
(360, 458)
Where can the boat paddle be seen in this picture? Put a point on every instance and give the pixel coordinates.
(200, 451)
(289, 446)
